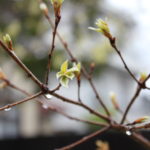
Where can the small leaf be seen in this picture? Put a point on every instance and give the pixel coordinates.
(69, 75)
(64, 81)
(64, 66)
(59, 74)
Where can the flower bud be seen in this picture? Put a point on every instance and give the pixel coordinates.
(102, 27)
(143, 77)
(57, 6)
(114, 100)
(3, 85)
(2, 75)
(44, 8)
(141, 120)
(8, 41)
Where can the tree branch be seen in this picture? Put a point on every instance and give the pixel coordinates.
(21, 101)
(84, 139)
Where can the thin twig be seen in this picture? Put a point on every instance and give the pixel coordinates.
(98, 96)
(140, 86)
(81, 105)
(77, 119)
(57, 20)
(136, 128)
(19, 62)
(56, 88)
(113, 44)
(10, 84)
(79, 88)
(21, 101)
(138, 90)
(84, 139)
(140, 139)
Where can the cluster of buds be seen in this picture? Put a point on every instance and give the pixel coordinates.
(57, 6)
(102, 27)
(8, 41)
(65, 74)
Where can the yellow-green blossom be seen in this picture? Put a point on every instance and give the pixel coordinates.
(7, 38)
(8, 41)
(65, 74)
(102, 27)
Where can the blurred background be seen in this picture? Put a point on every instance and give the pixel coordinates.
(31, 35)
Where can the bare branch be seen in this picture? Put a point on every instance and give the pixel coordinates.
(19, 62)
(21, 101)
(77, 119)
(57, 20)
(131, 103)
(113, 44)
(84, 139)
(81, 105)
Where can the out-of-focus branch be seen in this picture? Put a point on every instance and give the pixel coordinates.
(21, 101)
(84, 139)
(19, 62)
(113, 44)
(140, 86)
(77, 119)
(81, 105)
(57, 20)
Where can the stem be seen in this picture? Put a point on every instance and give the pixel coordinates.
(79, 88)
(84, 139)
(57, 20)
(98, 97)
(123, 61)
(140, 139)
(21, 101)
(139, 88)
(19, 62)
(77, 119)
(81, 105)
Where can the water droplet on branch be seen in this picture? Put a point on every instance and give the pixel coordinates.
(7, 109)
(45, 106)
(128, 133)
(48, 96)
